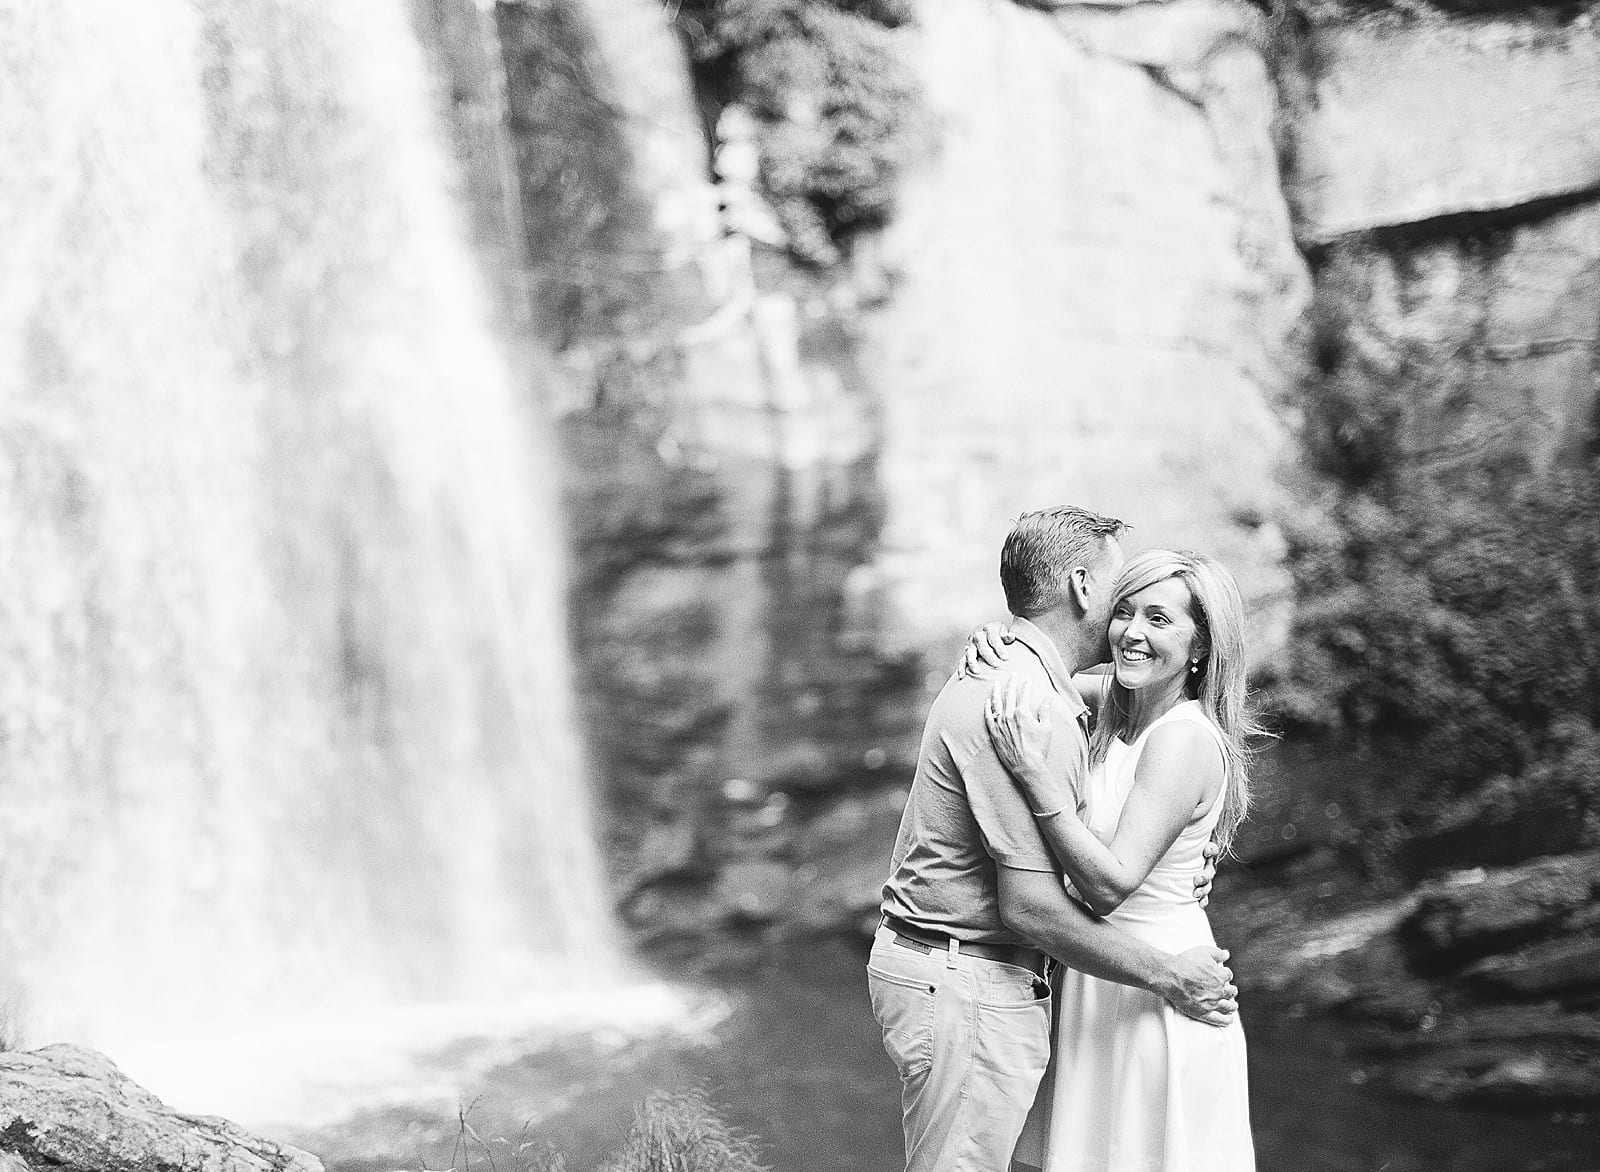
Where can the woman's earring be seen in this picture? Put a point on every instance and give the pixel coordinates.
(1194, 667)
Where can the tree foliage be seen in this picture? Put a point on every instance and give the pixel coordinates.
(1469, 621)
(1448, 573)
(1454, 625)
(839, 110)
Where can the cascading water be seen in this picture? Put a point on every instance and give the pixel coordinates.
(286, 722)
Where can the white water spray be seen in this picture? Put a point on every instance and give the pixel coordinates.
(286, 719)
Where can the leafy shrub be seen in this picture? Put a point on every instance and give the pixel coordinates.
(1448, 577)
(839, 110)
(1457, 624)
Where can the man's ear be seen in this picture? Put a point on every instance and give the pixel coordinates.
(1078, 588)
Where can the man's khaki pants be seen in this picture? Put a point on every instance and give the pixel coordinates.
(971, 1038)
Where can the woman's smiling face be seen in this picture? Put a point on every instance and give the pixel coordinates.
(1153, 635)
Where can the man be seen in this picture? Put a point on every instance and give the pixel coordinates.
(975, 904)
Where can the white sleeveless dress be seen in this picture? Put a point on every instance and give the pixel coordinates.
(1135, 1086)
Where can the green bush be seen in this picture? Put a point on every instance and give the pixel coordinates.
(1456, 624)
(1448, 576)
(839, 110)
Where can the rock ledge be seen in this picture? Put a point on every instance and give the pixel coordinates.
(70, 1109)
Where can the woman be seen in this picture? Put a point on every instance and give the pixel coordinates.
(1135, 1086)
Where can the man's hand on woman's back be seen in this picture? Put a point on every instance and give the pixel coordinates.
(1202, 986)
(1208, 872)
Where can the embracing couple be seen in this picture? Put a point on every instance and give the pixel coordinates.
(1057, 847)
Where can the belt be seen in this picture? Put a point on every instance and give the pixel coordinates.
(919, 940)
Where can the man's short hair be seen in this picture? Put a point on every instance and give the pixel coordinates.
(1043, 548)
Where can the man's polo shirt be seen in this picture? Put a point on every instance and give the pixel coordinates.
(966, 816)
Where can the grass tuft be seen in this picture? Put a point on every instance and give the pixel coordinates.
(670, 1133)
(682, 1133)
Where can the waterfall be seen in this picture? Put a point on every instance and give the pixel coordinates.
(285, 722)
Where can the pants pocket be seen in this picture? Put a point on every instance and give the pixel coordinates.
(1009, 986)
(903, 1006)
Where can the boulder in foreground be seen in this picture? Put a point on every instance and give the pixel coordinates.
(69, 1109)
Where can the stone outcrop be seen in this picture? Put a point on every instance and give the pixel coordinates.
(1093, 301)
(1501, 825)
(1480, 986)
(787, 488)
(69, 1109)
(1412, 120)
(1520, 1057)
(1551, 968)
(1470, 345)
(721, 438)
(1446, 176)
(1477, 913)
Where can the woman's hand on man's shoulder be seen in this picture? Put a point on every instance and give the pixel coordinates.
(986, 651)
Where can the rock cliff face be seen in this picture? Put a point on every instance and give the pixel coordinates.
(1095, 285)
(1479, 986)
(721, 439)
(786, 488)
(1447, 184)
(1444, 178)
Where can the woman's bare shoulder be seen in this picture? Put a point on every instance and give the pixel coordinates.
(1188, 744)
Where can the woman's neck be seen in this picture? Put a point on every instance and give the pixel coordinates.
(1148, 705)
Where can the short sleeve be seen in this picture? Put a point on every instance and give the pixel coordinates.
(1010, 832)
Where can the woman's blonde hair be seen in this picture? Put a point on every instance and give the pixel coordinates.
(1220, 682)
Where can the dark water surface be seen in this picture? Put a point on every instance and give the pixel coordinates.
(798, 1063)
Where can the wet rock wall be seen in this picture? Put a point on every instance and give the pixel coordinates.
(1446, 182)
(721, 440)
(1441, 165)
(786, 486)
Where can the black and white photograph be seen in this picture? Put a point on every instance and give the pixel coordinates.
(800, 586)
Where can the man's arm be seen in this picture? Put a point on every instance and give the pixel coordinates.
(1035, 906)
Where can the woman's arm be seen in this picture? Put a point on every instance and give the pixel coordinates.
(986, 651)
(1093, 685)
(1179, 771)
(989, 646)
